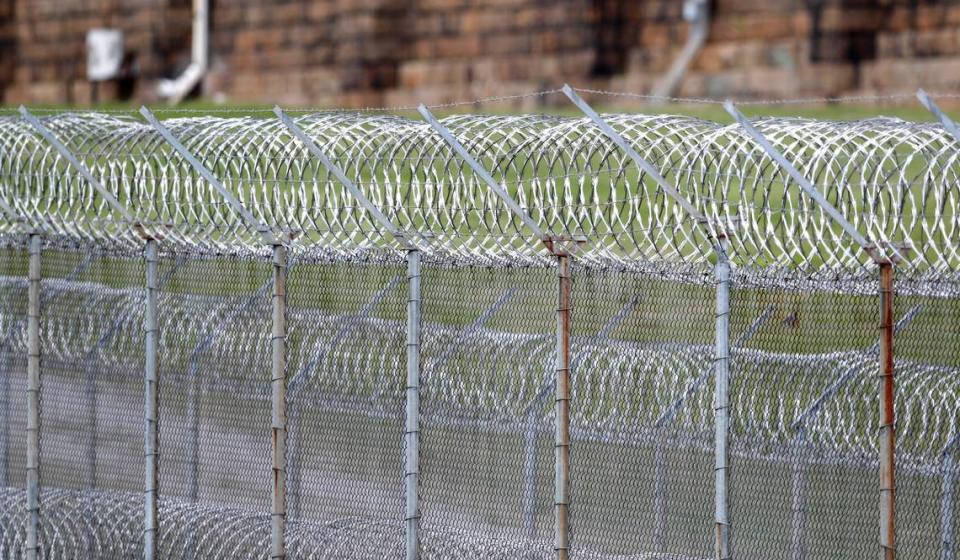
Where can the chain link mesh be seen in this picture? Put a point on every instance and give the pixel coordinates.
(345, 406)
(804, 331)
(214, 319)
(487, 451)
(91, 413)
(804, 471)
(641, 413)
(13, 386)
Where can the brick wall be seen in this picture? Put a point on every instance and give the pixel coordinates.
(400, 52)
(49, 42)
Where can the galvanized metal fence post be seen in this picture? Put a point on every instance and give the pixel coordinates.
(151, 402)
(721, 404)
(35, 241)
(561, 502)
(722, 349)
(278, 334)
(886, 386)
(411, 474)
(278, 385)
(562, 373)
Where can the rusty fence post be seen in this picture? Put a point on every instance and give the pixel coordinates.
(885, 263)
(887, 433)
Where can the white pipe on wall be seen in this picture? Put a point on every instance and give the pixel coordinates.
(697, 12)
(176, 89)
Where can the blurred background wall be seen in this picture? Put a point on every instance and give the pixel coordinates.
(399, 52)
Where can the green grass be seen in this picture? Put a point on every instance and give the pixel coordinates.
(708, 111)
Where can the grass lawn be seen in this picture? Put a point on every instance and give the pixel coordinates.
(908, 110)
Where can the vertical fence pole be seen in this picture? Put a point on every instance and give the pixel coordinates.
(150, 402)
(721, 406)
(948, 469)
(411, 473)
(887, 417)
(887, 435)
(561, 543)
(562, 373)
(278, 385)
(33, 398)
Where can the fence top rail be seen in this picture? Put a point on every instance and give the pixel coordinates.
(894, 180)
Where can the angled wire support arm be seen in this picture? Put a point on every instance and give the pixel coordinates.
(814, 408)
(481, 172)
(339, 174)
(886, 389)
(801, 180)
(642, 163)
(238, 207)
(75, 163)
(946, 121)
(677, 404)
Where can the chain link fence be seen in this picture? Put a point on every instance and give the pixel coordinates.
(803, 441)
(341, 384)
